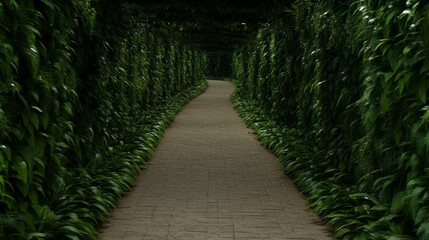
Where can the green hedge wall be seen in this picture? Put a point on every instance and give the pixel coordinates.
(84, 94)
(349, 81)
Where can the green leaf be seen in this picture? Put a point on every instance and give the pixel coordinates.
(1, 183)
(388, 22)
(68, 108)
(398, 137)
(364, 196)
(39, 150)
(48, 3)
(8, 200)
(400, 237)
(33, 198)
(388, 76)
(72, 229)
(404, 81)
(398, 202)
(45, 120)
(38, 235)
(423, 231)
(72, 237)
(422, 215)
(421, 93)
(69, 125)
(7, 152)
(406, 50)
(35, 95)
(23, 101)
(384, 103)
(27, 153)
(21, 168)
(35, 120)
(19, 133)
(416, 198)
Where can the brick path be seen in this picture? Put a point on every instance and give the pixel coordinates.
(210, 179)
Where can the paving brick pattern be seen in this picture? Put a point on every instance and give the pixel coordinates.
(210, 179)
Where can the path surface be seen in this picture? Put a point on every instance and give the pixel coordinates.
(210, 179)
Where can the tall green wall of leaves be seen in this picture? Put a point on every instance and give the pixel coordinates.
(350, 79)
(83, 86)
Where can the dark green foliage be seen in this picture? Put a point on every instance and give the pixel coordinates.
(86, 203)
(219, 65)
(343, 102)
(84, 98)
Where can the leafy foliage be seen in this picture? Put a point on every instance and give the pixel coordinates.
(84, 99)
(219, 65)
(342, 101)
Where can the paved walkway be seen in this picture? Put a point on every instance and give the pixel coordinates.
(210, 179)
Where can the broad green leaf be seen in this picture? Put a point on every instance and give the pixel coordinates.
(68, 108)
(69, 125)
(421, 93)
(404, 81)
(71, 229)
(27, 153)
(388, 23)
(38, 235)
(8, 200)
(406, 50)
(21, 168)
(23, 101)
(425, 117)
(415, 200)
(7, 151)
(422, 214)
(50, 4)
(3, 163)
(19, 132)
(72, 237)
(398, 137)
(35, 120)
(1, 184)
(385, 103)
(35, 95)
(33, 198)
(45, 120)
(400, 237)
(363, 196)
(423, 231)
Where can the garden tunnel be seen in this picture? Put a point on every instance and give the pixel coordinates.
(338, 90)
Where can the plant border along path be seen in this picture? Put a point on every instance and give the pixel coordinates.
(210, 178)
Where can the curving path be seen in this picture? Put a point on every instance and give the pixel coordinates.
(210, 179)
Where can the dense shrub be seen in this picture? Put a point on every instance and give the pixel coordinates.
(86, 89)
(347, 82)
